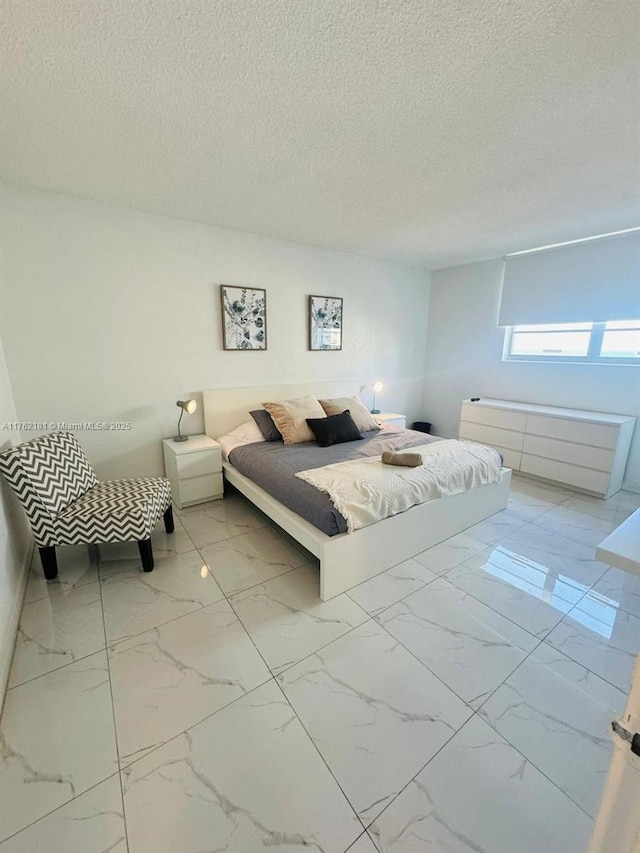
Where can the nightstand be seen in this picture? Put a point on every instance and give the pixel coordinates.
(194, 469)
(391, 418)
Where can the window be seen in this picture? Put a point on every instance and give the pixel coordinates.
(614, 342)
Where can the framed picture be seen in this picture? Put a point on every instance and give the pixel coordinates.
(244, 317)
(325, 322)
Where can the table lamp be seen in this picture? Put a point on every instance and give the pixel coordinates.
(377, 387)
(188, 406)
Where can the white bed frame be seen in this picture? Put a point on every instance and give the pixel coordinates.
(349, 558)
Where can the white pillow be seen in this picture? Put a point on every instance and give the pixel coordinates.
(247, 433)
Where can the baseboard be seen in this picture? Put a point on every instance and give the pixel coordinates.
(8, 641)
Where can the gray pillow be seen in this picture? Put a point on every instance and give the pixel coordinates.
(264, 421)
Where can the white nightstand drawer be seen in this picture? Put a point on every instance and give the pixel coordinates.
(194, 468)
(197, 489)
(199, 463)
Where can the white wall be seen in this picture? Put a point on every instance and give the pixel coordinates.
(113, 315)
(464, 359)
(15, 538)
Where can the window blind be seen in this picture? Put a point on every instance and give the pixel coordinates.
(586, 282)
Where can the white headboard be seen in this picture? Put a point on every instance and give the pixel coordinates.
(227, 408)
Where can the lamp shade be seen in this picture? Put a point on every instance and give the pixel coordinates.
(378, 387)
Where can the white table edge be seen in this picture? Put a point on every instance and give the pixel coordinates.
(621, 548)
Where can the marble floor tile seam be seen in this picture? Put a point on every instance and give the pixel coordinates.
(543, 523)
(541, 635)
(520, 479)
(112, 643)
(621, 605)
(279, 530)
(55, 669)
(64, 805)
(110, 564)
(498, 686)
(505, 735)
(415, 775)
(441, 680)
(534, 525)
(271, 677)
(116, 642)
(532, 762)
(587, 496)
(282, 669)
(66, 663)
(380, 612)
(584, 666)
(126, 764)
(229, 595)
(533, 650)
(115, 728)
(125, 768)
(454, 734)
(50, 590)
(321, 756)
(225, 597)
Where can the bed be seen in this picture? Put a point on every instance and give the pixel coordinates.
(347, 559)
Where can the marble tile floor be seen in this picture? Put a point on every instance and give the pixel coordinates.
(459, 702)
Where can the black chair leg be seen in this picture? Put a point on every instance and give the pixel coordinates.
(146, 554)
(49, 562)
(169, 526)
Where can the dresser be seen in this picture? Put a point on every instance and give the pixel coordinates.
(585, 450)
(194, 468)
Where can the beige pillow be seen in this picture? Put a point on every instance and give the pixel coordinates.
(290, 418)
(359, 412)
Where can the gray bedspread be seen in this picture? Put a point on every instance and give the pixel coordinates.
(273, 465)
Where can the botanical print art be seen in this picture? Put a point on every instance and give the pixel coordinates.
(244, 317)
(325, 322)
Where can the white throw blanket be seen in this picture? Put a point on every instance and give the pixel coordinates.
(366, 490)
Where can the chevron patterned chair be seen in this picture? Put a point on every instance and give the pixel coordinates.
(67, 505)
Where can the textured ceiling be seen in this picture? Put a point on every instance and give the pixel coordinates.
(429, 132)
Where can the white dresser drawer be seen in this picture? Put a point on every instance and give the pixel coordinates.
(197, 489)
(575, 454)
(579, 432)
(493, 436)
(572, 475)
(503, 418)
(199, 463)
(510, 458)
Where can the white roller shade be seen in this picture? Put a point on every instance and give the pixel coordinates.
(594, 281)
